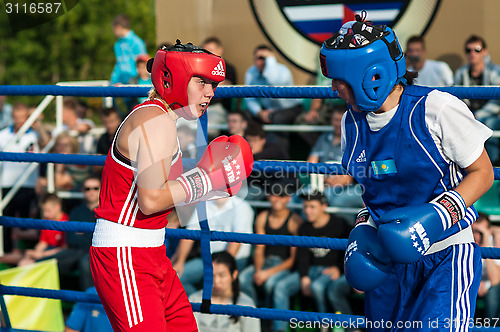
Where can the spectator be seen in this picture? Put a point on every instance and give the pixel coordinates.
(267, 71)
(479, 72)
(88, 317)
(76, 256)
(20, 205)
(51, 241)
(489, 288)
(5, 113)
(340, 190)
(71, 117)
(226, 290)
(143, 76)
(67, 177)
(261, 149)
(237, 122)
(228, 215)
(78, 126)
(430, 72)
(317, 267)
(127, 48)
(111, 121)
(271, 263)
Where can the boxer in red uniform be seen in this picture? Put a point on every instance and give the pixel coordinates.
(143, 180)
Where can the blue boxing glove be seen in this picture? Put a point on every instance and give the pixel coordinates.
(366, 263)
(407, 233)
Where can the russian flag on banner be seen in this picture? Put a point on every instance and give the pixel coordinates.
(318, 20)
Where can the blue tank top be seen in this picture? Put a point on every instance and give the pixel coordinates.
(400, 165)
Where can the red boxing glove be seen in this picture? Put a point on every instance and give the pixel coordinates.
(226, 162)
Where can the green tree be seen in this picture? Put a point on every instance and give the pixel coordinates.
(73, 47)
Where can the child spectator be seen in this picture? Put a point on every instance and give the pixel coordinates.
(75, 257)
(127, 48)
(51, 241)
(143, 76)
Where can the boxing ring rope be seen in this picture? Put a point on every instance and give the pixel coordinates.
(205, 235)
(235, 91)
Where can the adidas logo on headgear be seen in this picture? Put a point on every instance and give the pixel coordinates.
(219, 70)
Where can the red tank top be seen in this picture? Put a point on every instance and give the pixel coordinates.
(118, 196)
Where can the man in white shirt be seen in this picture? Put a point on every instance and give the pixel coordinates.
(430, 72)
(12, 171)
(227, 215)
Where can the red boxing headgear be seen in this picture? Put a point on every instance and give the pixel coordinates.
(172, 69)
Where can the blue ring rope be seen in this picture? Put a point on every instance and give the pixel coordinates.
(278, 240)
(226, 309)
(482, 92)
(274, 166)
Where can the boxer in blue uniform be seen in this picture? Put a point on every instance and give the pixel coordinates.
(419, 155)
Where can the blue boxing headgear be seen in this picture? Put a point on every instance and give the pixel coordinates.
(368, 58)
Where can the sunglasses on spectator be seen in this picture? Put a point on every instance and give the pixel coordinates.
(90, 188)
(477, 49)
(260, 58)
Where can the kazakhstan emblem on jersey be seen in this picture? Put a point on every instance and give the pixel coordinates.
(384, 167)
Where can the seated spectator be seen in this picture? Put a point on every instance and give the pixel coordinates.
(228, 215)
(317, 267)
(22, 202)
(262, 149)
(51, 241)
(271, 263)
(267, 71)
(88, 317)
(340, 190)
(237, 122)
(78, 126)
(143, 76)
(479, 72)
(226, 290)
(430, 72)
(67, 177)
(75, 257)
(489, 288)
(111, 121)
